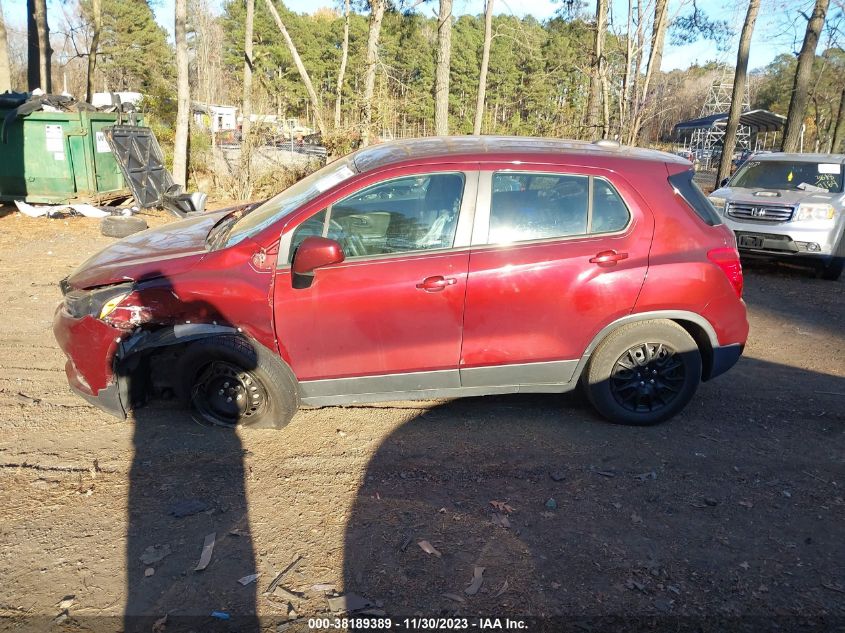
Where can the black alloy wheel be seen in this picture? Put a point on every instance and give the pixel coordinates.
(647, 377)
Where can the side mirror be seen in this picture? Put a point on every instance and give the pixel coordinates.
(316, 252)
(724, 182)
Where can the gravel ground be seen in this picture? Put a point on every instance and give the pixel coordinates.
(734, 509)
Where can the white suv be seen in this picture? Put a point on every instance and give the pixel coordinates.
(788, 206)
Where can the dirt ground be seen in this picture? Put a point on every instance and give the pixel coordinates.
(734, 509)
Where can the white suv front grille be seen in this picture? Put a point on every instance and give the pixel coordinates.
(759, 213)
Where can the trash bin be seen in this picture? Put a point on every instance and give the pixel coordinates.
(59, 157)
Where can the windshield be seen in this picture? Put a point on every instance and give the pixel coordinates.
(290, 199)
(771, 174)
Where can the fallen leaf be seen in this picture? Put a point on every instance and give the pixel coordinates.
(248, 579)
(454, 596)
(477, 580)
(158, 625)
(428, 548)
(207, 550)
(501, 590)
(501, 506)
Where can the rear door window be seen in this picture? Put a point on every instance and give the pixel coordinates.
(537, 206)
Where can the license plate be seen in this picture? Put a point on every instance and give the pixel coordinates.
(750, 241)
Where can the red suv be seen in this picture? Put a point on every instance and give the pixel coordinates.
(429, 268)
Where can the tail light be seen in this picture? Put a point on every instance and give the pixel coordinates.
(728, 260)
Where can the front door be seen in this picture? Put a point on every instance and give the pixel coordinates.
(555, 257)
(389, 317)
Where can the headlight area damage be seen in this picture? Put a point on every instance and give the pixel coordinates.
(107, 333)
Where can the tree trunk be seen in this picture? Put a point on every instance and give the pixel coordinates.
(183, 98)
(376, 16)
(441, 75)
(344, 56)
(629, 60)
(97, 9)
(839, 130)
(661, 13)
(803, 74)
(597, 69)
(5, 66)
(738, 94)
(44, 51)
(485, 62)
(303, 73)
(246, 105)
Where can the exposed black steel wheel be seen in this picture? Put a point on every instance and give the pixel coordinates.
(644, 372)
(228, 381)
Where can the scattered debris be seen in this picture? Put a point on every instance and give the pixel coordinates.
(154, 553)
(604, 473)
(454, 596)
(710, 501)
(428, 548)
(674, 590)
(275, 583)
(408, 540)
(664, 604)
(207, 550)
(636, 518)
(645, 476)
(833, 587)
(248, 579)
(744, 565)
(187, 507)
(547, 514)
(349, 602)
(220, 615)
(555, 585)
(477, 581)
(786, 494)
(551, 504)
(501, 520)
(501, 506)
(341, 433)
(326, 586)
(557, 476)
(284, 594)
(66, 602)
(746, 504)
(158, 625)
(59, 210)
(149, 571)
(501, 589)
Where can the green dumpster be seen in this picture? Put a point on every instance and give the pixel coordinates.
(59, 157)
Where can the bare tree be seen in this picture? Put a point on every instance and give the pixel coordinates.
(738, 94)
(485, 62)
(183, 97)
(246, 104)
(839, 130)
(32, 71)
(376, 16)
(658, 36)
(97, 10)
(45, 53)
(303, 73)
(5, 65)
(344, 56)
(441, 73)
(803, 76)
(597, 69)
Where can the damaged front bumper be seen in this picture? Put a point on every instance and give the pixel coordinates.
(90, 346)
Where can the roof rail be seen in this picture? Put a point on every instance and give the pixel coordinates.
(606, 142)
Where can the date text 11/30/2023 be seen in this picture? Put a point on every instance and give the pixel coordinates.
(418, 624)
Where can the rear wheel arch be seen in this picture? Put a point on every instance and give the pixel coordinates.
(698, 327)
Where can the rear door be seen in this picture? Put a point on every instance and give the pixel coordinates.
(556, 256)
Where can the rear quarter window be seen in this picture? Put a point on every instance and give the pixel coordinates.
(685, 187)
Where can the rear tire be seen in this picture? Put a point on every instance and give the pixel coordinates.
(229, 381)
(643, 373)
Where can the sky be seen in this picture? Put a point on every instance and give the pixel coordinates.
(778, 30)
